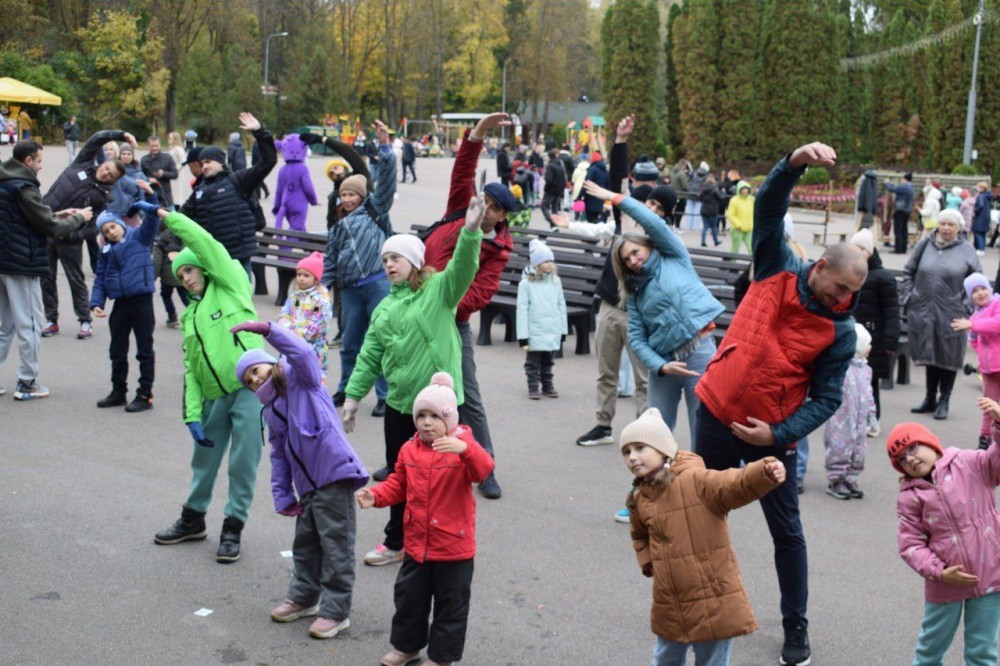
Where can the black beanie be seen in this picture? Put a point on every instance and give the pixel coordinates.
(666, 196)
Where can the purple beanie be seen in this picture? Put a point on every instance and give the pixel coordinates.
(250, 358)
(976, 280)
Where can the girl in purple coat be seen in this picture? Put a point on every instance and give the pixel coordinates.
(984, 336)
(310, 456)
(949, 533)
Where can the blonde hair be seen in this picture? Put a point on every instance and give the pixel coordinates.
(112, 144)
(982, 186)
(535, 275)
(418, 278)
(174, 139)
(621, 271)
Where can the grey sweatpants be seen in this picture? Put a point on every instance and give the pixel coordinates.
(324, 550)
(21, 316)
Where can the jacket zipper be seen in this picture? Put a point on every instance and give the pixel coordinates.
(955, 530)
(291, 449)
(201, 344)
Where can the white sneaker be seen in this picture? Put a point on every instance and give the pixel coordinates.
(980, 253)
(382, 556)
(3, 389)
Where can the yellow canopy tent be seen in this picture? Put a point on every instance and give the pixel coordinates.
(14, 91)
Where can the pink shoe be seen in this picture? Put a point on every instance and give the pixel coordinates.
(382, 556)
(325, 628)
(397, 658)
(289, 611)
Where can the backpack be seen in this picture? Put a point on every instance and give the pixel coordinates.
(380, 220)
(254, 202)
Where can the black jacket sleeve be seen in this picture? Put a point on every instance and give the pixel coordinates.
(888, 298)
(94, 144)
(250, 179)
(619, 172)
(352, 157)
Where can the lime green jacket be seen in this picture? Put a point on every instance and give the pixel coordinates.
(412, 333)
(210, 350)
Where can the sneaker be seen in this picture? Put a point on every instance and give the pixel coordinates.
(795, 651)
(980, 253)
(595, 436)
(801, 488)
(490, 488)
(289, 611)
(550, 392)
(382, 556)
(381, 474)
(30, 390)
(533, 394)
(337, 341)
(378, 410)
(854, 490)
(85, 332)
(116, 398)
(3, 389)
(623, 516)
(141, 403)
(173, 322)
(873, 429)
(338, 399)
(397, 658)
(51, 328)
(839, 490)
(324, 628)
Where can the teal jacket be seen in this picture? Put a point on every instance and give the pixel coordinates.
(412, 334)
(210, 350)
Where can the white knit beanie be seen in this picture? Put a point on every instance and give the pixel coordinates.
(864, 240)
(650, 430)
(539, 253)
(953, 216)
(864, 340)
(407, 246)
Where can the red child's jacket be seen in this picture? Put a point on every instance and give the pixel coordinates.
(440, 519)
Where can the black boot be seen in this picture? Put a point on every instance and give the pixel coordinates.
(941, 413)
(984, 442)
(189, 527)
(116, 398)
(229, 540)
(143, 401)
(927, 406)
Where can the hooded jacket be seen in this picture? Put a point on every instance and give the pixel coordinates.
(440, 517)
(931, 208)
(739, 213)
(671, 305)
(783, 345)
(878, 311)
(125, 268)
(598, 173)
(681, 539)
(541, 311)
(984, 335)
(953, 520)
(211, 352)
(981, 213)
(412, 334)
(26, 222)
(309, 449)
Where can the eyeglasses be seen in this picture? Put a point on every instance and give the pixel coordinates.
(911, 451)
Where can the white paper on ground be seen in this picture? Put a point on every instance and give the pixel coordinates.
(286, 553)
(204, 612)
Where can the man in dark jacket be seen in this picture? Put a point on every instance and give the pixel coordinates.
(224, 201)
(80, 185)
(71, 134)
(597, 173)
(792, 338)
(901, 212)
(409, 158)
(555, 186)
(159, 167)
(25, 223)
(503, 164)
(236, 154)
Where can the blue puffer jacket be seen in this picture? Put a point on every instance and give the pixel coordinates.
(541, 312)
(671, 305)
(309, 449)
(125, 268)
(981, 216)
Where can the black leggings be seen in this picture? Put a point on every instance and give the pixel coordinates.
(939, 378)
(399, 429)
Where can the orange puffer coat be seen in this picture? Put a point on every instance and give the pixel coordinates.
(681, 538)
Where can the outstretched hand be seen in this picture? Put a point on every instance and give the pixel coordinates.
(381, 132)
(248, 122)
(625, 127)
(258, 327)
(475, 212)
(560, 221)
(989, 406)
(493, 120)
(775, 471)
(813, 154)
(678, 368)
(595, 190)
(366, 498)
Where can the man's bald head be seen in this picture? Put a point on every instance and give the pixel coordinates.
(838, 274)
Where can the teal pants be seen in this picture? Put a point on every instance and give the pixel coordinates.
(235, 418)
(982, 623)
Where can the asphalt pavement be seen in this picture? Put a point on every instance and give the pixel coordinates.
(82, 490)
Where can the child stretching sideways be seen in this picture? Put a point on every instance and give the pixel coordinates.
(948, 527)
(984, 336)
(681, 539)
(309, 308)
(434, 474)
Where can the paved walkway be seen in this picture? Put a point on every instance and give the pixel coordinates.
(83, 490)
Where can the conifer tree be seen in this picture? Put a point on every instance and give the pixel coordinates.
(948, 73)
(696, 52)
(673, 133)
(739, 23)
(630, 34)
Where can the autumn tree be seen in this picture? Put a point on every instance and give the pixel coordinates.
(628, 64)
(696, 60)
(738, 112)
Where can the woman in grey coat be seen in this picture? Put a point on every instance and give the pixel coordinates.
(934, 296)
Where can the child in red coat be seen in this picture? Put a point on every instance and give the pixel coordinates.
(434, 475)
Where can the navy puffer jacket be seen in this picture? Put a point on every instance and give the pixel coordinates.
(125, 268)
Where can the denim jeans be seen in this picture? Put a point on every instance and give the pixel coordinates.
(665, 391)
(706, 653)
(802, 460)
(711, 224)
(358, 304)
(979, 240)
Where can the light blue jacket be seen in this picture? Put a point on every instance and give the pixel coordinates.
(541, 312)
(673, 305)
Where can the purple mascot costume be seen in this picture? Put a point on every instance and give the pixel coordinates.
(295, 191)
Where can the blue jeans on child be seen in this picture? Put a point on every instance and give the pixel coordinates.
(979, 240)
(665, 391)
(711, 224)
(706, 653)
(626, 379)
(982, 623)
(358, 303)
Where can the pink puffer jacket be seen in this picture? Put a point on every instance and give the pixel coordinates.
(953, 521)
(985, 336)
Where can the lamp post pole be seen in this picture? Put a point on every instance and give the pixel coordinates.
(267, 62)
(970, 113)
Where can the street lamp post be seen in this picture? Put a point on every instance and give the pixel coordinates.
(970, 112)
(267, 61)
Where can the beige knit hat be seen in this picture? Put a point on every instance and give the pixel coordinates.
(357, 184)
(650, 430)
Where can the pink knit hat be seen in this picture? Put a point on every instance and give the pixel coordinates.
(440, 399)
(313, 263)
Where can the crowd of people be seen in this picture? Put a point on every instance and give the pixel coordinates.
(806, 346)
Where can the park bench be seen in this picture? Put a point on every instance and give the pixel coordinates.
(282, 249)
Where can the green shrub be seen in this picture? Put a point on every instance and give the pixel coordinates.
(660, 149)
(965, 170)
(815, 176)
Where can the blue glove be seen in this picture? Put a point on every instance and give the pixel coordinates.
(147, 207)
(198, 433)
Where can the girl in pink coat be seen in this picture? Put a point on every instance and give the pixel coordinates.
(949, 533)
(984, 336)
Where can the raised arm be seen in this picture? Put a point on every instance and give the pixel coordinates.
(95, 144)
(250, 179)
(463, 173)
(212, 254)
(298, 353)
(724, 491)
(385, 183)
(618, 163)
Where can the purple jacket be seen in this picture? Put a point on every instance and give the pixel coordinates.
(953, 521)
(984, 336)
(308, 444)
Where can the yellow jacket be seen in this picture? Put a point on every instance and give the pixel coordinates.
(739, 214)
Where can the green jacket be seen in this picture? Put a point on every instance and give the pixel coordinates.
(210, 350)
(412, 333)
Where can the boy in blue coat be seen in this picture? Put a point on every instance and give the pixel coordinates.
(125, 274)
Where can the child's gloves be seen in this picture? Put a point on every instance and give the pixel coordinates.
(347, 414)
(293, 511)
(146, 207)
(523, 344)
(258, 327)
(475, 212)
(198, 434)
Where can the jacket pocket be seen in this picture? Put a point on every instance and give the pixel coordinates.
(722, 353)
